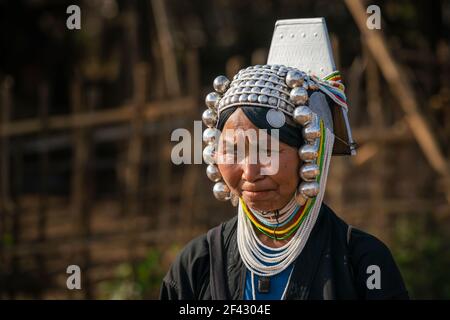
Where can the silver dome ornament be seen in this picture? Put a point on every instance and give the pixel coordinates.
(234, 198)
(302, 115)
(312, 130)
(309, 152)
(299, 96)
(275, 118)
(273, 101)
(309, 189)
(213, 173)
(294, 78)
(212, 99)
(211, 135)
(309, 171)
(300, 198)
(243, 98)
(263, 99)
(265, 91)
(253, 97)
(209, 118)
(209, 154)
(221, 191)
(221, 84)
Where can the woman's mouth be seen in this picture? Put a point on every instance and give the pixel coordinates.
(257, 195)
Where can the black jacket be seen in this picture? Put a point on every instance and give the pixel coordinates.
(333, 265)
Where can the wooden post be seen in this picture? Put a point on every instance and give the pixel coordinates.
(135, 147)
(8, 262)
(402, 89)
(81, 187)
(375, 110)
(43, 202)
(166, 44)
(191, 173)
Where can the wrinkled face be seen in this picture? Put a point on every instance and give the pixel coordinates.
(246, 179)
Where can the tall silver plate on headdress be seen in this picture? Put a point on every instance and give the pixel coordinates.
(305, 45)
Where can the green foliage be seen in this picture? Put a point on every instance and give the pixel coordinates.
(141, 280)
(7, 239)
(421, 248)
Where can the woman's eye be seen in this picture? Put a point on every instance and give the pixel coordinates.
(269, 151)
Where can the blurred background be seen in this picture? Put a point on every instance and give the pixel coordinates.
(86, 116)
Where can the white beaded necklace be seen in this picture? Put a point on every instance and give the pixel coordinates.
(250, 247)
(270, 217)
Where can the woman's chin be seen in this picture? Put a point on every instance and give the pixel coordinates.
(258, 202)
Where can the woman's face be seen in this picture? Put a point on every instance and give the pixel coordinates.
(260, 192)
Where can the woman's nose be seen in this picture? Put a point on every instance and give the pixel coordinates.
(251, 171)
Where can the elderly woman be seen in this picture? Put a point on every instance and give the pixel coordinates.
(284, 243)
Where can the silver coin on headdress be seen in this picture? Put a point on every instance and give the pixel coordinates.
(275, 118)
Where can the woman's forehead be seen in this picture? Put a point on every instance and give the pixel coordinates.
(238, 120)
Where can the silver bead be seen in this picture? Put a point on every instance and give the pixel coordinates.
(265, 91)
(309, 189)
(211, 100)
(300, 198)
(211, 135)
(213, 173)
(221, 191)
(273, 101)
(253, 97)
(243, 97)
(309, 171)
(209, 154)
(294, 79)
(273, 79)
(221, 84)
(299, 96)
(209, 118)
(235, 99)
(312, 130)
(263, 99)
(302, 115)
(309, 152)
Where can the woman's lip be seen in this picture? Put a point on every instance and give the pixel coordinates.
(256, 195)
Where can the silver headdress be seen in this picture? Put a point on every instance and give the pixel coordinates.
(288, 92)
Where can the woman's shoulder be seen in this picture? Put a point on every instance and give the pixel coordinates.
(360, 242)
(189, 271)
(375, 271)
(199, 247)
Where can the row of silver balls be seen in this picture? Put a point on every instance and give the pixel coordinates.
(302, 114)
